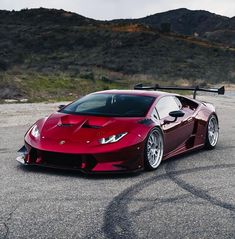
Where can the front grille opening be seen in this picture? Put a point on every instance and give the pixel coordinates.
(71, 161)
(62, 160)
(90, 162)
(33, 154)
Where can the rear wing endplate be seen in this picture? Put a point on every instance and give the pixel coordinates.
(220, 91)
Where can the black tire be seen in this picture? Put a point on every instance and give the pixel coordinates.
(154, 148)
(212, 132)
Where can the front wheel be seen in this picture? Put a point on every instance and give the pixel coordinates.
(153, 149)
(212, 132)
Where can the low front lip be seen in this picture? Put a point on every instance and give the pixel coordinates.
(99, 172)
(21, 159)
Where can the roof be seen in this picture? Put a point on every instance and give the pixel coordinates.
(151, 93)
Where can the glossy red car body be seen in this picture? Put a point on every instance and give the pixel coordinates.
(72, 141)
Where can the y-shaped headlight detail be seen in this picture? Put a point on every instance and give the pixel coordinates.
(35, 131)
(112, 139)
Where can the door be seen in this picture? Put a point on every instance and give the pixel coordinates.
(176, 131)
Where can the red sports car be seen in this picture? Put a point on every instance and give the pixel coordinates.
(121, 130)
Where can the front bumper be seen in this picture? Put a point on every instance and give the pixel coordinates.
(125, 160)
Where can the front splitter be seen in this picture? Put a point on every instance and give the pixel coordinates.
(21, 160)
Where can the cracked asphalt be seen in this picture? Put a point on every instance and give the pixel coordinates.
(191, 196)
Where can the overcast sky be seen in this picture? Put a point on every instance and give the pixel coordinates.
(113, 9)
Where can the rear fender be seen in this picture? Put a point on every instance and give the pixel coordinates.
(202, 118)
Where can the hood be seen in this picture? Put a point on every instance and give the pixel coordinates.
(79, 128)
(82, 134)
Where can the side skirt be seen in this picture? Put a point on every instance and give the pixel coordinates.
(182, 150)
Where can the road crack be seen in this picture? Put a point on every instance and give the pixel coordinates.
(9, 217)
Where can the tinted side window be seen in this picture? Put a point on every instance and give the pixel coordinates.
(187, 103)
(165, 105)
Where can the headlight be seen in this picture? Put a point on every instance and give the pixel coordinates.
(35, 131)
(112, 139)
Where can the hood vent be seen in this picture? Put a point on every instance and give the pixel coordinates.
(64, 125)
(88, 126)
(145, 121)
(85, 124)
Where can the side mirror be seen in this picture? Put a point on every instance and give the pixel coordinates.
(61, 107)
(176, 114)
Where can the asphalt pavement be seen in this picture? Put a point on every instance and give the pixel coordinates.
(191, 196)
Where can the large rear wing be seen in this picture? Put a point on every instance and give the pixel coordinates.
(220, 91)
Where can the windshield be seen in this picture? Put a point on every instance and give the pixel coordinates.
(119, 105)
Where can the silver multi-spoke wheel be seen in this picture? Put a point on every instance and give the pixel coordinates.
(212, 132)
(154, 149)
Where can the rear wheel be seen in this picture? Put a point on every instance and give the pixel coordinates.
(212, 132)
(153, 149)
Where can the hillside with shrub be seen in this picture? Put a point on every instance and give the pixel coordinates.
(54, 54)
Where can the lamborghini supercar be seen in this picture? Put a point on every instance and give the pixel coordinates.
(121, 130)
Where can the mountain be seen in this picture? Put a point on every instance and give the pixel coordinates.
(43, 16)
(187, 22)
(48, 53)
